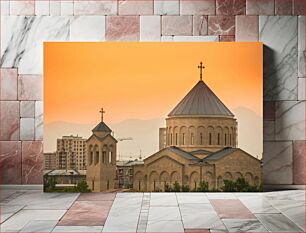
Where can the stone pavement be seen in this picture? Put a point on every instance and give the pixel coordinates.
(34, 211)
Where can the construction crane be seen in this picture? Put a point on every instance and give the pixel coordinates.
(124, 139)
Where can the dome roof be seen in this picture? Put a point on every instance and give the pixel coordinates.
(201, 101)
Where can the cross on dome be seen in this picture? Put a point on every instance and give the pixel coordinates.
(201, 67)
(102, 113)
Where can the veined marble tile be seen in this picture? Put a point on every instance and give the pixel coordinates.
(221, 196)
(290, 120)
(107, 7)
(30, 87)
(258, 205)
(277, 163)
(205, 218)
(122, 28)
(260, 7)
(192, 198)
(22, 7)
(135, 7)
(230, 7)
(177, 25)
(203, 7)
(221, 25)
(200, 25)
(239, 225)
(299, 162)
(45, 201)
(66, 7)
(42, 7)
(39, 120)
(23, 217)
(166, 7)
(5, 7)
(39, 226)
(8, 84)
(298, 7)
(301, 89)
(122, 219)
(8, 210)
(283, 7)
(269, 130)
(165, 226)
(277, 223)
(279, 35)
(32, 162)
(9, 120)
(75, 229)
(164, 213)
(87, 28)
(23, 37)
(246, 28)
(163, 199)
(27, 109)
(55, 8)
(27, 129)
(10, 162)
(301, 46)
(294, 210)
(150, 28)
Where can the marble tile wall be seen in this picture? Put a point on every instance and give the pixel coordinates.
(26, 24)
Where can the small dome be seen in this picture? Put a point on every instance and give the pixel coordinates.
(201, 101)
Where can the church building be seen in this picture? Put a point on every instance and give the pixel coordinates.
(199, 143)
(101, 158)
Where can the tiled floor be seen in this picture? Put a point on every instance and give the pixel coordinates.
(34, 211)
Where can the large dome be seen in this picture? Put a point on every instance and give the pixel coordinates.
(201, 101)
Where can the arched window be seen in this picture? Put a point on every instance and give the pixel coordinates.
(192, 139)
(103, 156)
(210, 139)
(171, 139)
(176, 139)
(230, 139)
(97, 157)
(225, 139)
(218, 139)
(201, 139)
(110, 153)
(90, 158)
(183, 141)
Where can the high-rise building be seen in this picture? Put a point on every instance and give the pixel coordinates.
(50, 161)
(71, 153)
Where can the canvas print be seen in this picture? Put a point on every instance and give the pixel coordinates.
(153, 117)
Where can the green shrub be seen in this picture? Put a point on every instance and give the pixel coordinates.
(240, 185)
(203, 187)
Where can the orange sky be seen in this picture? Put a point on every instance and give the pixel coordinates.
(145, 80)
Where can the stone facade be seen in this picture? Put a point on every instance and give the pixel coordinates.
(101, 159)
(208, 133)
(198, 144)
(167, 167)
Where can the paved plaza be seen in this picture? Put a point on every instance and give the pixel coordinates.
(35, 211)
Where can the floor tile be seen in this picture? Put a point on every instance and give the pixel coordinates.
(294, 210)
(232, 209)
(197, 230)
(96, 197)
(122, 219)
(278, 223)
(165, 226)
(75, 229)
(258, 205)
(166, 213)
(39, 226)
(163, 199)
(192, 198)
(23, 217)
(8, 210)
(44, 201)
(244, 225)
(90, 213)
(220, 196)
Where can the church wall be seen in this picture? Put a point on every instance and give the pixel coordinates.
(101, 169)
(195, 133)
(238, 164)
